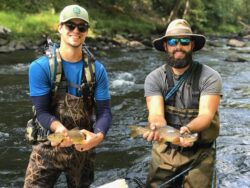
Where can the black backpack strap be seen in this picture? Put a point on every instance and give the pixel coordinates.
(88, 78)
(56, 70)
(195, 79)
(55, 65)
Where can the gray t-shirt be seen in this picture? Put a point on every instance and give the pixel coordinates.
(210, 83)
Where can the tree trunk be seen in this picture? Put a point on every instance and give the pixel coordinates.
(174, 11)
(187, 6)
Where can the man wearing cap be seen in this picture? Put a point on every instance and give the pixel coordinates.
(184, 94)
(69, 107)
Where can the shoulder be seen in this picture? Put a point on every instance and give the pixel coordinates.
(210, 81)
(157, 74)
(99, 65)
(209, 72)
(100, 70)
(40, 62)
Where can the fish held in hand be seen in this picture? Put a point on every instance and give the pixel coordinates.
(167, 134)
(75, 135)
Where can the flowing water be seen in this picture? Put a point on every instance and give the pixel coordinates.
(119, 156)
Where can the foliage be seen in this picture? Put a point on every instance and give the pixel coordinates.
(31, 18)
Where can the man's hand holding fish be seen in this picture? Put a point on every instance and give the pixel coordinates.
(155, 122)
(91, 140)
(61, 138)
(184, 130)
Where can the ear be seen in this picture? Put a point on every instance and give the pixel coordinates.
(165, 46)
(192, 45)
(60, 28)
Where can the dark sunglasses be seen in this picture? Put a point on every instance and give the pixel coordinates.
(175, 41)
(83, 27)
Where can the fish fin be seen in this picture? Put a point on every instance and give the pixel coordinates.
(75, 128)
(176, 140)
(84, 136)
(161, 141)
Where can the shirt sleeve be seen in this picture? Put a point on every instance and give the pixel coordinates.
(102, 83)
(104, 116)
(211, 82)
(42, 107)
(153, 84)
(39, 77)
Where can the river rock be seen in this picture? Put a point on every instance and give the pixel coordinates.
(235, 58)
(214, 43)
(3, 41)
(236, 43)
(5, 49)
(121, 39)
(4, 32)
(137, 45)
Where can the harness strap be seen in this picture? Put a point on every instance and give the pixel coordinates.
(193, 77)
(57, 74)
(191, 113)
(178, 84)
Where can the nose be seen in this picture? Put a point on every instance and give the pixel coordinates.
(178, 46)
(76, 29)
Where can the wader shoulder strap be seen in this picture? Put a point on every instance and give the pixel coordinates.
(55, 65)
(174, 88)
(194, 82)
(88, 78)
(56, 71)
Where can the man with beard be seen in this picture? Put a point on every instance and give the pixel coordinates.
(70, 102)
(184, 94)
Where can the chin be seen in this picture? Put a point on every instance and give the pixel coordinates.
(75, 44)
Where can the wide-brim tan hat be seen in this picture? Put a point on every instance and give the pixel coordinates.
(180, 27)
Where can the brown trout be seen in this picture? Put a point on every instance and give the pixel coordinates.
(167, 134)
(75, 135)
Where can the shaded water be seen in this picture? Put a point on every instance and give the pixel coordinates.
(119, 156)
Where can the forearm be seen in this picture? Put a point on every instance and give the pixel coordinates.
(42, 107)
(156, 114)
(208, 107)
(104, 117)
(200, 123)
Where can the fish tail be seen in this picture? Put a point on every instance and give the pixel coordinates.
(136, 131)
(133, 131)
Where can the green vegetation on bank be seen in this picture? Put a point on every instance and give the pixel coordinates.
(25, 25)
(30, 19)
(32, 25)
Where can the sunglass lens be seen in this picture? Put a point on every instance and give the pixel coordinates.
(70, 26)
(82, 27)
(172, 42)
(185, 41)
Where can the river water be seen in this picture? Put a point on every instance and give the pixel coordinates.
(119, 156)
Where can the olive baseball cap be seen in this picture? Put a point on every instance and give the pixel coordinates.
(73, 11)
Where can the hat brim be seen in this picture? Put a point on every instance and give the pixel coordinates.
(199, 41)
(74, 17)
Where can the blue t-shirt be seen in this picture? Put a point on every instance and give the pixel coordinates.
(39, 78)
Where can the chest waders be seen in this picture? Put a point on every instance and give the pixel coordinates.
(73, 111)
(171, 165)
(46, 162)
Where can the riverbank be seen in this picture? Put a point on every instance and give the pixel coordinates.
(114, 30)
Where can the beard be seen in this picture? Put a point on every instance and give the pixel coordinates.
(180, 63)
